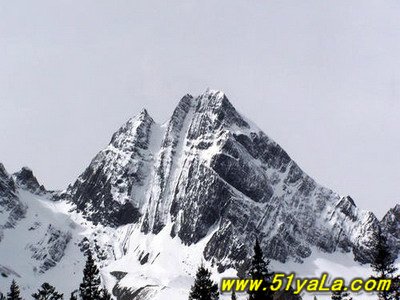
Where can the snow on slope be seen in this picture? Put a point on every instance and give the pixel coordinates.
(170, 265)
(159, 199)
(17, 253)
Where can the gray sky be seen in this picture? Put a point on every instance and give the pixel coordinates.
(321, 77)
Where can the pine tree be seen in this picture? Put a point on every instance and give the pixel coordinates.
(259, 271)
(47, 292)
(90, 287)
(383, 263)
(233, 295)
(14, 293)
(204, 288)
(2, 297)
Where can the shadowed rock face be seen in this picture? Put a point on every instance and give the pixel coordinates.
(10, 206)
(208, 170)
(391, 221)
(391, 225)
(104, 192)
(26, 180)
(7, 184)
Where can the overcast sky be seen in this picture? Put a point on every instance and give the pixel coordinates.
(321, 77)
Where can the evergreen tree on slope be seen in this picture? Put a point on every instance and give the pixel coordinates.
(204, 288)
(47, 292)
(383, 264)
(73, 296)
(14, 293)
(90, 288)
(260, 271)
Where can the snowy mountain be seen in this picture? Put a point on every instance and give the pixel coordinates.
(160, 198)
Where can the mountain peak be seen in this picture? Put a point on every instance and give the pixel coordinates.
(7, 185)
(349, 199)
(391, 221)
(208, 99)
(213, 112)
(25, 179)
(209, 167)
(214, 98)
(133, 131)
(397, 208)
(214, 93)
(394, 211)
(3, 171)
(144, 113)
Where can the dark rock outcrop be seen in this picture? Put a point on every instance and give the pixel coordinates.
(49, 250)
(391, 221)
(105, 192)
(10, 205)
(26, 180)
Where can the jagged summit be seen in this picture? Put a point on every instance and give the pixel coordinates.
(396, 208)
(11, 209)
(7, 185)
(144, 113)
(4, 177)
(212, 93)
(132, 133)
(208, 167)
(27, 180)
(391, 221)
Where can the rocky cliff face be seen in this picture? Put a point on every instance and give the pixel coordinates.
(391, 221)
(210, 169)
(108, 190)
(390, 224)
(11, 208)
(27, 181)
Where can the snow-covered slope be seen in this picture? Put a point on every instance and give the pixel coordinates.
(48, 245)
(159, 199)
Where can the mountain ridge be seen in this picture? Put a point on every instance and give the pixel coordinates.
(207, 179)
(206, 137)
